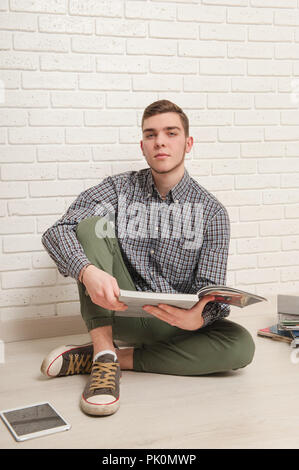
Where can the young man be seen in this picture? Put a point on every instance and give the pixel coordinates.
(104, 257)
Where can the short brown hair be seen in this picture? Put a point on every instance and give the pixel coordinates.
(165, 106)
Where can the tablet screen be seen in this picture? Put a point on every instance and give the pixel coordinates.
(33, 419)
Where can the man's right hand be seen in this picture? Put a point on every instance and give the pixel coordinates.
(102, 288)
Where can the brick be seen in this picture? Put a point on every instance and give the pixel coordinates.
(25, 99)
(77, 100)
(65, 24)
(110, 118)
(212, 183)
(13, 191)
(10, 79)
(287, 18)
(111, 8)
(240, 134)
(250, 51)
(217, 150)
(29, 311)
(38, 42)
(276, 196)
(98, 45)
(124, 28)
(274, 3)
(14, 225)
(229, 101)
(163, 29)
(290, 274)
(55, 188)
(290, 243)
(91, 136)
(13, 118)
(22, 244)
(25, 172)
(291, 212)
(222, 67)
(290, 118)
(262, 149)
(223, 32)
(33, 278)
(210, 118)
(258, 245)
(257, 181)
(254, 276)
(269, 68)
(13, 262)
(150, 11)
(42, 260)
(104, 82)
(55, 118)
(151, 83)
(261, 213)
(130, 152)
(287, 51)
(90, 170)
(122, 64)
(36, 136)
(243, 229)
(251, 84)
(41, 6)
(274, 101)
(201, 49)
(18, 61)
(249, 16)
(173, 65)
(36, 206)
(204, 84)
(118, 99)
(254, 118)
(290, 181)
(67, 153)
(186, 100)
(46, 81)
(285, 227)
(239, 198)
(270, 33)
(158, 47)
(201, 14)
(5, 41)
(233, 167)
(281, 133)
(64, 63)
(237, 262)
(18, 22)
(17, 154)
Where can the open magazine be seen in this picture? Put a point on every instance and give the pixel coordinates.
(226, 295)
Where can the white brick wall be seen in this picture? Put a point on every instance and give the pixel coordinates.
(75, 78)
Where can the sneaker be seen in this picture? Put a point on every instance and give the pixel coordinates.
(101, 394)
(68, 360)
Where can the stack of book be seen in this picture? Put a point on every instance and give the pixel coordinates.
(287, 327)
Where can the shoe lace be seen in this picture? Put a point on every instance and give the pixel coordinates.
(79, 363)
(103, 375)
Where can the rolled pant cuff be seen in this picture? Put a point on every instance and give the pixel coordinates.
(96, 322)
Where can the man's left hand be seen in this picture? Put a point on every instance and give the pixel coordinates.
(186, 319)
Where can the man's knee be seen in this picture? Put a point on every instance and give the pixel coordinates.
(243, 349)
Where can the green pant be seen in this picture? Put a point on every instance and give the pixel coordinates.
(158, 346)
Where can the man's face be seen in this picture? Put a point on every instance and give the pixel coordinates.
(164, 143)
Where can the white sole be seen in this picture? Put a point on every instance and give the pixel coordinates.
(96, 409)
(56, 355)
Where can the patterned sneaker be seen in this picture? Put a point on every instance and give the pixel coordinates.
(101, 394)
(68, 360)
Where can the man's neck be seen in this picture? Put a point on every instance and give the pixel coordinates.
(165, 182)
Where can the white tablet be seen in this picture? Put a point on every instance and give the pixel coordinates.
(33, 421)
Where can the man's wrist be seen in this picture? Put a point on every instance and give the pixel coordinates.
(81, 274)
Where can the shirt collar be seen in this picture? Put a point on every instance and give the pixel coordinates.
(177, 193)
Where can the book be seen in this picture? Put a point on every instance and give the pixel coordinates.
(288, 304)
(295, 335)
(288, 321)
(223, 294)
(276, 334)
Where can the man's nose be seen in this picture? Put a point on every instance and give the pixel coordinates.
(159, 141)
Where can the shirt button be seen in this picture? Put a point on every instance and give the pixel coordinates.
(176, 201)
(152, 252)
(157, 228)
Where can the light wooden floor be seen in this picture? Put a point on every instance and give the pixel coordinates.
(255, 407)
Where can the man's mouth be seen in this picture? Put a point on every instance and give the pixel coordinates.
(161, 156)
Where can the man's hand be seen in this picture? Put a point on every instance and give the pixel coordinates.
(186, 319)
(102, 288)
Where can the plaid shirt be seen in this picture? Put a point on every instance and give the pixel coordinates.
(149, 230)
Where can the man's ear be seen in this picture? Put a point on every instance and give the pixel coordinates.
(189, 144)
(141, 146)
